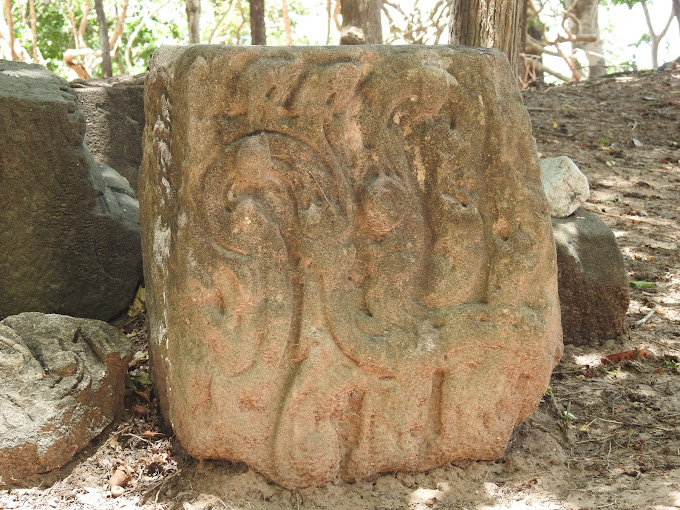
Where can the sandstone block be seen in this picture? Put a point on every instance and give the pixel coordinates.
(61, 383)
(69, 227)
(566, 188)
(114, 114)
(592, 279)
(349, 258)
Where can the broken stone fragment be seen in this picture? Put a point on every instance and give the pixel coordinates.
(62, 381)
(566, 188)
(349, 259)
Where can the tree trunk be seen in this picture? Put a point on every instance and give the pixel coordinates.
(286, 22)
(118, 31)
(497, 24)
(10, 29)
(534, 66)
(34, 31)
(258, 34)
(676, 12)
(361, 22)
(655, 39)
(193, 18)
(583, 22)
(103, 39)
(329, 9)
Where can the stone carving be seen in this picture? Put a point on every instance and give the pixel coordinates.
(348, 254)
(61, 383)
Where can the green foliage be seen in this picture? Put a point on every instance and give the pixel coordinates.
(625, 67)
(645, 285)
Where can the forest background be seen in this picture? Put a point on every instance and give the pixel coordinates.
(565, 40)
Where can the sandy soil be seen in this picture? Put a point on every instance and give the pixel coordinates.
(603, 436)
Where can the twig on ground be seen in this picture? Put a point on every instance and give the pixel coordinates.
(159, 485)
(139, 437)
(633, 424)
(599, 211)
(665, 345)
(555, 133)
(647, 317)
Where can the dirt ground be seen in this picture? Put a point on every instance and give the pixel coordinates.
(603, 436)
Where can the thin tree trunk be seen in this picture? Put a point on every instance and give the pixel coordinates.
(676, 12)
(489, 25)
(80, 34)
(103, 38)
(329, 8)
(336, 14)
(21, 54)
(653, 36)
(119, 25)
(10, 28)
(361, 22)
(193, 19)
(286, 22)
(534, 30)
(257, 29)
(34, 31)
(583, 22)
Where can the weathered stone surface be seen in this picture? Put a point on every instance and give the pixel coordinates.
(69, 228)
(349, 262)
(114, 114)
(592, 281)
(61, 383)
(566, 188)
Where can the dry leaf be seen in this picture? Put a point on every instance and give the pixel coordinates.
(612, 359)
(149, 434)
(139, 410)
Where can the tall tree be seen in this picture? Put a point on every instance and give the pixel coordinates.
(34, 31)
(103, 38)
(654, 38)
(583, 22)
(193, 19)
(258, 34)
(10, 29)
(286, 22)
(498, 24)
(361, 22)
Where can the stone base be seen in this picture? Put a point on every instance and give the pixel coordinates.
(349, 262)
(592, 281)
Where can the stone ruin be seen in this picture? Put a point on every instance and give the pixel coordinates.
(62, 381)
(69, 227)
(349, 259)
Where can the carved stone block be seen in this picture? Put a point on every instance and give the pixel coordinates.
(349, 257)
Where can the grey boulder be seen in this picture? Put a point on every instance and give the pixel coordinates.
(69, 228)
(62, 382)
(592, 279)
(566, 188)
(114, 113)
